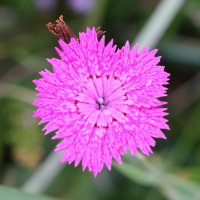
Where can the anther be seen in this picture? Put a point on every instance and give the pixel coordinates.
(100, 100)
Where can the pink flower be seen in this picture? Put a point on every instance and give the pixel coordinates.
(102, 101)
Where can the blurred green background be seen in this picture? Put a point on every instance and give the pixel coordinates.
(172, 172)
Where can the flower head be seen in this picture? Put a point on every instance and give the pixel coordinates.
(102, 101)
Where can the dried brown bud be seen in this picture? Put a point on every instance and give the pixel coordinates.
(99, 32)
(62, 31)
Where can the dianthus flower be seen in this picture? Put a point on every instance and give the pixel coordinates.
(102, 101)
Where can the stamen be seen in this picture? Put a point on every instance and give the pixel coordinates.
(100, 100)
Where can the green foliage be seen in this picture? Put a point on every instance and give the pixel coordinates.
(7, 193)
(138, 174)
(172, 186)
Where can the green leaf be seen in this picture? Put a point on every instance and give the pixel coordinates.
(7, 193)
(176, 188)
(138, 174)
(172, 186)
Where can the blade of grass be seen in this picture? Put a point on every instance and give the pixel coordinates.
(158, 23)
(17, 92)
(45, 173)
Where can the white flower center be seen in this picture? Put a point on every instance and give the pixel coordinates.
(101, 103)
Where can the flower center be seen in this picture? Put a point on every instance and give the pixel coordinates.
(102, 100)
(101, 103)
